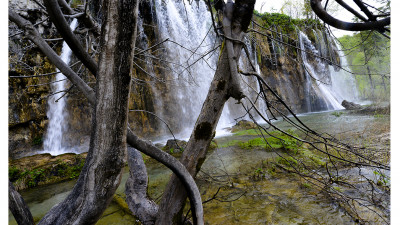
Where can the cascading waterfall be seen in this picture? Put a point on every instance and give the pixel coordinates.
(321, 77)
(343, 82)
(56, 113)
(190, 26)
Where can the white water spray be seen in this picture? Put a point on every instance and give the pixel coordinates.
(322, 78)
(57, 114)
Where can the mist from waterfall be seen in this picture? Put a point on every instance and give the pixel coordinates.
(56, 113)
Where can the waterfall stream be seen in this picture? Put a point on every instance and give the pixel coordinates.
(189, 28)
(318, 78)
(56, 113)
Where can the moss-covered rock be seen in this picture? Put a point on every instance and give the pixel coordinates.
(44, 169)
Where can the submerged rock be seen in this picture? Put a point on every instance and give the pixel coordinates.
(350, 105)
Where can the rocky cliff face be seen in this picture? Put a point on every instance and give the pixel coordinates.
(152, 90)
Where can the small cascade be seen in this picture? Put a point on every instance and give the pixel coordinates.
(56, 113)
(343, 82)
(318, 79)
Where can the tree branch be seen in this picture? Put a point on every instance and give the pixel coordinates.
(33, 35)
(323, 15)
(58, 19)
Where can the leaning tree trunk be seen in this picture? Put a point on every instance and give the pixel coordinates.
(101, 173)
(225, 84)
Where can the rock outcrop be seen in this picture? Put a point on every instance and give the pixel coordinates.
(350, 105)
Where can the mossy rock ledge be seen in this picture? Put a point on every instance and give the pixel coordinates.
(44, 169)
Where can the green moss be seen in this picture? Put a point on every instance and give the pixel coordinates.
(288, 161)
(37, 141)
(228, 143)
(249, 132)
(23, 178)
(273, 140)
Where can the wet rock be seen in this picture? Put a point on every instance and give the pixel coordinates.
(243, 125)
(175, 146)
(350, 105)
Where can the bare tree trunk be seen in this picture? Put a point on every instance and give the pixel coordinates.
(101, 173)
(224, 85)
(18, 207)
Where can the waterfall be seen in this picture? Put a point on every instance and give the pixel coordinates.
(189, 29)
(343, 82)
(318, 78)
(56, 113)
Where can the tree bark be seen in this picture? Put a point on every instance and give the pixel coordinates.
(18, 207)
(101, 173)
(136, 189)
(225, 84)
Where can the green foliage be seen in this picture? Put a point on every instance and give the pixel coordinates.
(287, 23)
(337, 114)
(368, 54)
